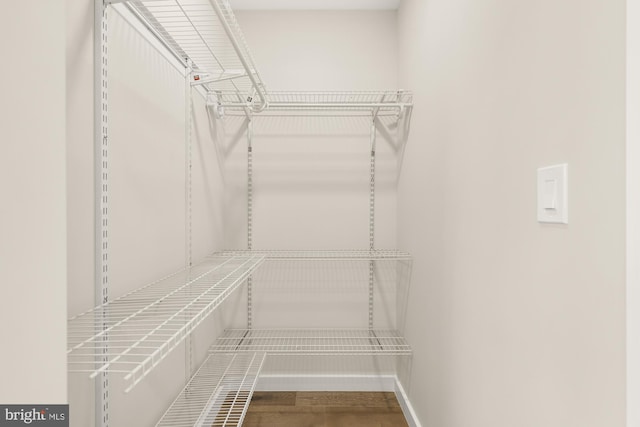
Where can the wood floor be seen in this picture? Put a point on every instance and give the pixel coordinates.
(324, 409)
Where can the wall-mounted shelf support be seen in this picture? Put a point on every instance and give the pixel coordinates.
(258, 86)
(101, 205)
(372, 215)
(250, 218)
(188, 98)
(222, 77)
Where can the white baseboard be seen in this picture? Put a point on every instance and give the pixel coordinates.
(326, 383)
(405, 404)
(341, 383)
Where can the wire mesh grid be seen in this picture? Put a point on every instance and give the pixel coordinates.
(143, 326)
(218, 394)
(338, 277)
(313, 342)
(331, 289)
(206, 32)
(342, 97)
(324, 255)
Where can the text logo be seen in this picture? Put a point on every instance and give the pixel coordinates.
(34, 415)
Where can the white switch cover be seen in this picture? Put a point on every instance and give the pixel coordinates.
(553, 204)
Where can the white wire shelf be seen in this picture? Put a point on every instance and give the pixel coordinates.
(325, 255)
(133, 333)
(207, 33)
(219, 393)
(378, 102)
(313, 342)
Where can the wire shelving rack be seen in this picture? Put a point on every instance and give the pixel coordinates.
(132, 334)
(395, 104)
(325, 255)
(138, 330)
(312, 342)
(218, 394)
(206, 34)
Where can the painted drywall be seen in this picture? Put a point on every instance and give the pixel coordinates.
(633, 213)
(514, 323)
(32, 183)
(148, 216)
(294, 51)
(311, 175)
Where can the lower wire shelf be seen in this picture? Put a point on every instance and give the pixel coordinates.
(219, 394)
(313, 342)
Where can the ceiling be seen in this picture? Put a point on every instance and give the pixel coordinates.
(314, 4)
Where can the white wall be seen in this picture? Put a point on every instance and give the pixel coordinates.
(147, 212)
(33, 271)
(514, 323)
(294, 50)
(633, 213)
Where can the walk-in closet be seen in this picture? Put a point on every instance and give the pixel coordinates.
(272, 213)
(302, 290)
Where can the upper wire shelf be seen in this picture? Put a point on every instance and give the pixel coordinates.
(376, 102)
(323, 255)
(207, 33)
(218, 394)
(132, 334)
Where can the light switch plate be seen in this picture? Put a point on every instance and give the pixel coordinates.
(553, 206)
